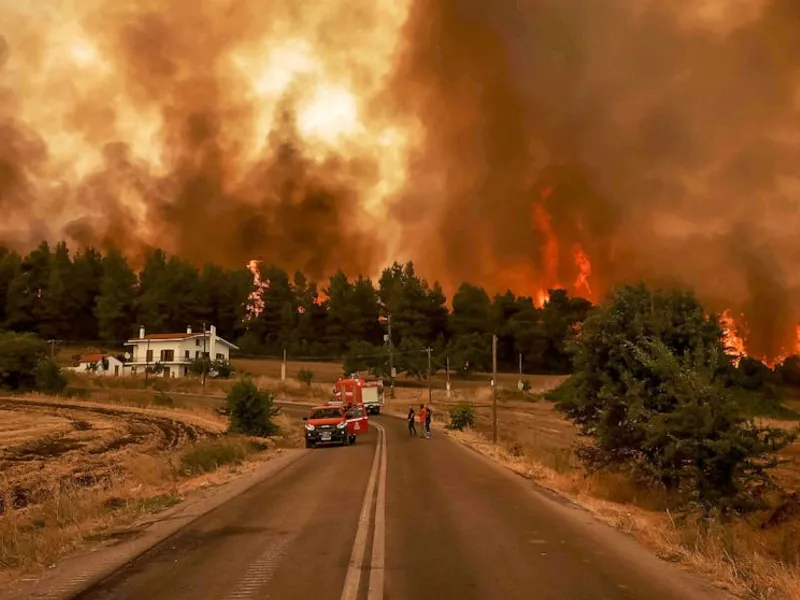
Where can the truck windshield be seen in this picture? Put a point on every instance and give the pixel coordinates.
(326, 413)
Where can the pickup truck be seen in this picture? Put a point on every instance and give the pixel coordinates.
(331, 424)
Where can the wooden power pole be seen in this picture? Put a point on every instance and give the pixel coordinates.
(391, 356)
(494, 389)
(430, 392)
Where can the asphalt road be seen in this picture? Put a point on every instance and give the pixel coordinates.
(403, 519)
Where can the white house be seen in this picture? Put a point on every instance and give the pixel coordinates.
(175, 351)
(102, 365)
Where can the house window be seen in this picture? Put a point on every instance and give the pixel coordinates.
(149, 356)
(188, 355)
(167, 355)
(197, 342)
(220, 356)
(197, 354)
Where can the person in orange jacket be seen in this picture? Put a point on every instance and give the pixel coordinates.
(421, 413)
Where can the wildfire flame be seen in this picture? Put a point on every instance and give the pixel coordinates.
(734, 343)
(585, 267)
(542, 221)
(255, 301)
(541, 298)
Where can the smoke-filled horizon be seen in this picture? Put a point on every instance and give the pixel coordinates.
(522, 145)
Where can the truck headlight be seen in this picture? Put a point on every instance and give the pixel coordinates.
(309, 427)
(341, 425)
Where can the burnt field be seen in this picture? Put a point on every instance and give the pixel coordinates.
(47, 445)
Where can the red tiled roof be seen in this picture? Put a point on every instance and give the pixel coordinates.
(92, 358)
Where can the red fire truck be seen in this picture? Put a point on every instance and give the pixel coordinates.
(353, 391)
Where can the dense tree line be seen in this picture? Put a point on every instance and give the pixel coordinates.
(87, 296)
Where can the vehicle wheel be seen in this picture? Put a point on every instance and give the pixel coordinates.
(309, 444)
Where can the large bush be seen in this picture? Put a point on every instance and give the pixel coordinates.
(305, 376)
(649, 389)
(251, 410)
(462, 416)
(49, 377)
(20, 354)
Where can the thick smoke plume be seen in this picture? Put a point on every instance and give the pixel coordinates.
(667, 132)
(523, 144)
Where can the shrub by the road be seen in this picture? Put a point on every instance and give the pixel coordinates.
(251, 410)
(163, 399)
(305, 376)
(649, 389)
(20, 354)
(209, 455)
(222, 369)
(462, 416)
(50, 379)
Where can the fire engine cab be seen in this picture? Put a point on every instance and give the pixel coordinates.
(354, 391)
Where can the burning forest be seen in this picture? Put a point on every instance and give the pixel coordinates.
(525, 146)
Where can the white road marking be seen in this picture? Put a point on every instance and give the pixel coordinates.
(260, 571)
(353, 578)
(376, 573)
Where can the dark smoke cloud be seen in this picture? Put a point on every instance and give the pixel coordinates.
(673, 140)
(667, 130)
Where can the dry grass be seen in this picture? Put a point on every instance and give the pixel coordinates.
(537, 443)
(67, 512)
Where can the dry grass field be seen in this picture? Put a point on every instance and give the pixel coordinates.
(74, 472)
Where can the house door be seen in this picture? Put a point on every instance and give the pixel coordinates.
(116, 370)
(166, 371)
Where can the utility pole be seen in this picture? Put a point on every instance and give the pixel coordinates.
(391, 356)
(283, 366)
(147, 363)
(494, 389)
(430, 390)
(447, 375)
(52, 349)
(205, 359)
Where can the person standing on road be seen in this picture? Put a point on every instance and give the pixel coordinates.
(428, 418)
(412, 428)
(422, 415)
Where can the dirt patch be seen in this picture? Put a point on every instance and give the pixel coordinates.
(49, 443)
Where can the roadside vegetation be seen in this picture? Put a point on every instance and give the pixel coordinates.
(669, 441)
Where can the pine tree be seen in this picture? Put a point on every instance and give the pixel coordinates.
(115, 304)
